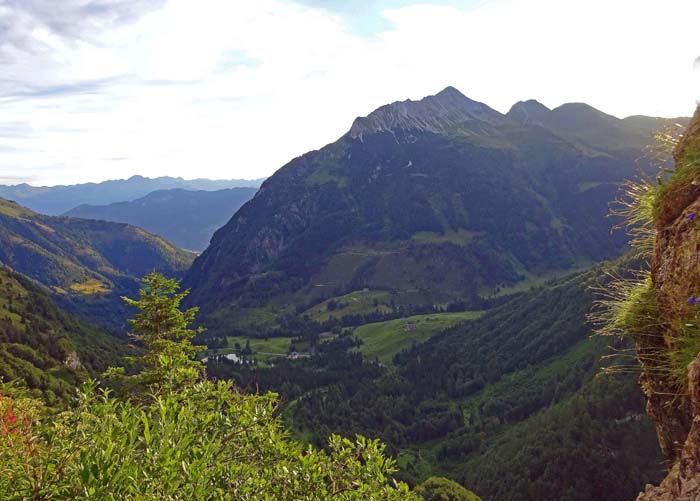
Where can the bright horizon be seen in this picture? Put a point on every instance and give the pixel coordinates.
(227, 89)
(126, 178)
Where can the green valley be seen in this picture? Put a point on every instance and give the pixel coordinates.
(471, 395)
(425, 280)
(270, 251)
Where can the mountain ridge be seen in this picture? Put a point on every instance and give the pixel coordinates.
(432, 217)
(87, 265)
(55, 200)
(437, 113)
(186, 218)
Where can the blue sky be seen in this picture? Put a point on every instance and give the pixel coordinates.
(364, 17)
(104, 89)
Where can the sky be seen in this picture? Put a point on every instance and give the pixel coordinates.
(104, 89)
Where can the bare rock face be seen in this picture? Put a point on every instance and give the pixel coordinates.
(676, 276)
(439, 113)
(683, 481)
(73, 361)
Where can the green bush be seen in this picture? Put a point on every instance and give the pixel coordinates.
(444, 489)
(205, 441)
(175, 438)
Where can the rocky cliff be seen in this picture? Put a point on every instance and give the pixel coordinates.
(669, 351)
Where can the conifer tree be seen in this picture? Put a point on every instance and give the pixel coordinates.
(163, 330)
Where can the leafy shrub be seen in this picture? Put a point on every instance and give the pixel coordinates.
(444, 489)
(175, 437)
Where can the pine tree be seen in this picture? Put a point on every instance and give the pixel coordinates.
(163, 330)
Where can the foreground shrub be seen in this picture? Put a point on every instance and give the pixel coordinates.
(203, 442)
(174, 435)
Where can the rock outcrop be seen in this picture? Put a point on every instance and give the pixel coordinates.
(446, 111)
(673, 403)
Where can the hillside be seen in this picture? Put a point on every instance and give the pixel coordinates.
(45, 347)
(508, 404)
(186, 218)
(86, 264)
(431, 202)
(55, 200)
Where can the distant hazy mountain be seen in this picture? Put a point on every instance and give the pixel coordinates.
(87, 264)
(431, 201)
(56, 200)
(186, 218)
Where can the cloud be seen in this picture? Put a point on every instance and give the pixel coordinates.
(25, 24)
(39, 40)
(14, 130)
(16, 90)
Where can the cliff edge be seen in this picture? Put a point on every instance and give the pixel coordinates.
(669, 344)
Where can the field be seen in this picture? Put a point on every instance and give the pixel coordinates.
(278, 345)
(384, 339)
(263, 349)
(460, 237)
(355, 303)
(381, 340)
(90, 287)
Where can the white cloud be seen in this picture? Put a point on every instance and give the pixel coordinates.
(233, 88)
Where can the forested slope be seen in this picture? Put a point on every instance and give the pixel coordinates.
(44, 347)
(514, 405)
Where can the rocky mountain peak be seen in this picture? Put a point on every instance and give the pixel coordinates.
(441, 113)
(529, 112)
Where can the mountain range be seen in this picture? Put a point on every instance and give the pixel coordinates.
(186, 218)
(429, 202)
(413, 281)
(55, 200)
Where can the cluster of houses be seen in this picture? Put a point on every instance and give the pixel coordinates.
(231, 357)
(292, 355)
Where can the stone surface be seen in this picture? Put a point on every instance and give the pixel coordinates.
(446, 110)
(676, 276)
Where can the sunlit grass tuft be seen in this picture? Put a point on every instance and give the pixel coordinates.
(635, 206)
